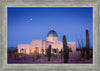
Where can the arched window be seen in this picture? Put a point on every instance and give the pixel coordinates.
(21, 50)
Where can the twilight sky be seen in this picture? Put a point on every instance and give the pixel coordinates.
(25, 24)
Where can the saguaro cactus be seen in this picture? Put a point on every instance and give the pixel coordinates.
(87, 45)
(65, 49)
(49, 53)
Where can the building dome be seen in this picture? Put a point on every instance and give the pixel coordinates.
(52, 35)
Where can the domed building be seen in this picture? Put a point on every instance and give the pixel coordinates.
(52, 35)
(40, 46)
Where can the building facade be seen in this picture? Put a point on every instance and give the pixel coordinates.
(40, 46)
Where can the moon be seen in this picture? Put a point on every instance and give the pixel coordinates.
(31, 19)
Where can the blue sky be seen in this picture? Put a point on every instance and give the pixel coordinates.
(25, 24)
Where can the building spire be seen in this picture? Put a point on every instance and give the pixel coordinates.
(52, 27)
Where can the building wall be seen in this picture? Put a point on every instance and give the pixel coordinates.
(56, 45)
(50, 38)
(37, 43)
(42, 44)
(24, 48)
(59, 45)
(72, 45)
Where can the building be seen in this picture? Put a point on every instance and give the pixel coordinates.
(40, 46)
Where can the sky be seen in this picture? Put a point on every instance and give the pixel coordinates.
(25, 24)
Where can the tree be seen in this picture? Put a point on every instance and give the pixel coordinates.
(42, 50)
(54, 50)
(15, 55)
(11, 50)
(70, 50)
(81, 47)
(61, 52)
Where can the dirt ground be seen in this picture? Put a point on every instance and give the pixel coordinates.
(44, 60)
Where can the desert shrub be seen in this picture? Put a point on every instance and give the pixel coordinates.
(70, 50)
(54, 50)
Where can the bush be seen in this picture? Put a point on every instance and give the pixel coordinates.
(70, 50)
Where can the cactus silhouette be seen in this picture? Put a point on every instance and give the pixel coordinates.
(49, 53)
(87, 45)
(65, 49)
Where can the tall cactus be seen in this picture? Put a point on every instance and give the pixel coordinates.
(87, 45)
(65, 49)
(49, 53)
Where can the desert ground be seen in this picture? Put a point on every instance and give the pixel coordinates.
(74, 58)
